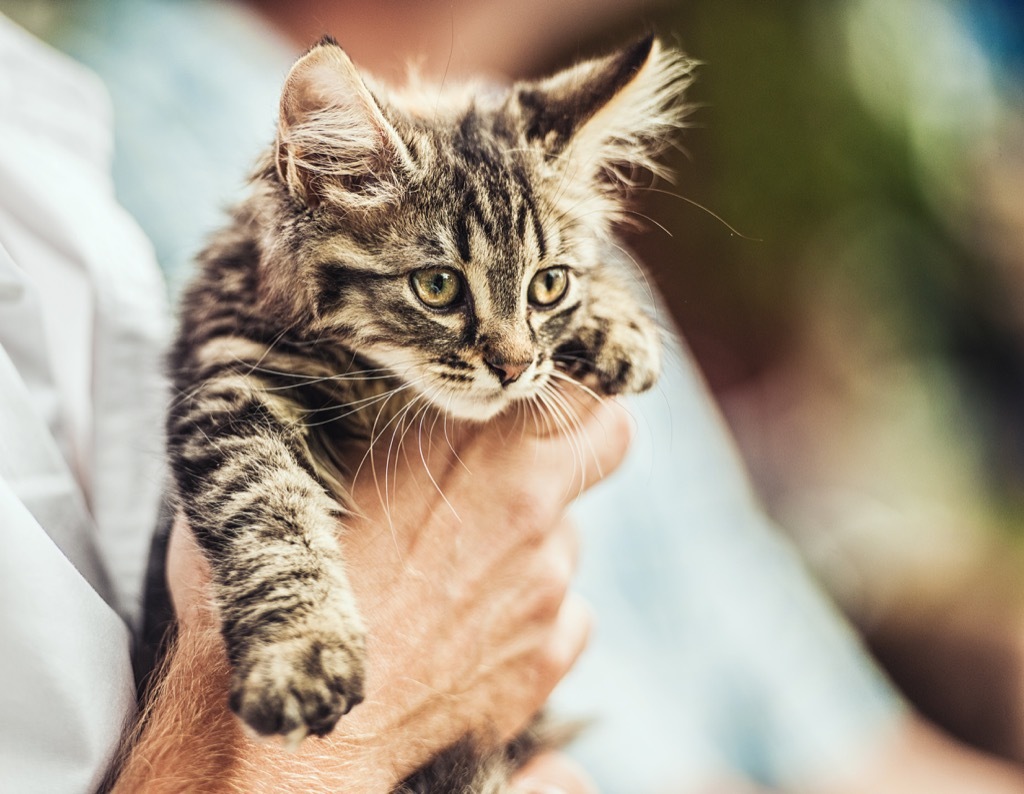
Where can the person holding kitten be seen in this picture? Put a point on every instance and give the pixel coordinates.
(82, 324)
(890, 752)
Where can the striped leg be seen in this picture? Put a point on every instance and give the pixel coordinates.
(293, 635)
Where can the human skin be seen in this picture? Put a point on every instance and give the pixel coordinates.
(914, 756)
(462, 582)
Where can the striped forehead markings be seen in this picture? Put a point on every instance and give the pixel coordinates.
(472, 209)
(494, 218)
(529, 207)
(494, 205)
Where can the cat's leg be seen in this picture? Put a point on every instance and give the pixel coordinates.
(268, 528)
(617, 347)
(468, 767)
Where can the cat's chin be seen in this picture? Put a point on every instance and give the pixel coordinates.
(481, 404)
(472, 407)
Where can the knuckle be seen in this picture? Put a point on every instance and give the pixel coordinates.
(529, 518)
(550, 587)
(619, 431)
(560, 653)
(552, 666)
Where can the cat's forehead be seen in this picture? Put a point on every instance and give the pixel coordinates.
(482, 137)
(478, 194)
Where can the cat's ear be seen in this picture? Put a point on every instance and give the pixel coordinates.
(333, 142)
(613, 113)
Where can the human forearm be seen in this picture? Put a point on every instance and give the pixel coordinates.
(189, 741)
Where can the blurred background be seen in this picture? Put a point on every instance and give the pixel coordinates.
(843, 250)
(863, 328)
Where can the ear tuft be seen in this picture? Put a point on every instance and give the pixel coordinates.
(612, 114)
(327, 40)
(334, 144)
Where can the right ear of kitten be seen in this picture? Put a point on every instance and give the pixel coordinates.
(451, 238)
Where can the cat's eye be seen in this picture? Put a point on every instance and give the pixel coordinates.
(548, 286)
(437, 287)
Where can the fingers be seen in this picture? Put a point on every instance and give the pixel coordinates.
(540, 667)
(605, 434)
(584, 450)
(570, 636)
(501, 472)
(546, 603)
(587, 452)
(545, 573)
(553, 773)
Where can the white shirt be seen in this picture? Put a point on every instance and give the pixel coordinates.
(82, 324)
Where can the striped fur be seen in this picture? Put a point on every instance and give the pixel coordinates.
(303, 335)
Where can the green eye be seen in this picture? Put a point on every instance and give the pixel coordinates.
(548, 286)
(437, 287)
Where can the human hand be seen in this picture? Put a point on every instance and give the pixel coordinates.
(553, 773)
(911, 756)
(461, 579)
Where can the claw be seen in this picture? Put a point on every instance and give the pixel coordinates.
(291, 741)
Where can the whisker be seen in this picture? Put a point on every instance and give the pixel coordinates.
(347, 409)
(562, 377)
(430, 474)
(398, 422)
(375, 437)
(444, 426)
(701, 207)
(577, 423)
(639, 271)
(312, 380)
(562, 422)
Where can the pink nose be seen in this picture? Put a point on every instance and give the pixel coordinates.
(506, 371)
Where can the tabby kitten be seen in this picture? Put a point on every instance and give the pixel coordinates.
(447, 244)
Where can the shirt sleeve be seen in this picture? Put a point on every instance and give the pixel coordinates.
(81, 315)
(66, 685)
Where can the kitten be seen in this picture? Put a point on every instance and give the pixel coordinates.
(449, 237)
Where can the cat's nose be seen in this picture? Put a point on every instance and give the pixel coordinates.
(506, 371)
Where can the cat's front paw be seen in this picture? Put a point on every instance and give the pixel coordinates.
(620, 357)
(298, 685)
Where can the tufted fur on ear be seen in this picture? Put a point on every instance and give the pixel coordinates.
(611, 115)
(334, 144)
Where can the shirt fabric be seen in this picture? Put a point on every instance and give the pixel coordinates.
(82, 322)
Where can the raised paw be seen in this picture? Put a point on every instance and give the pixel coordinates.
(615, 356)
(299, 685)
